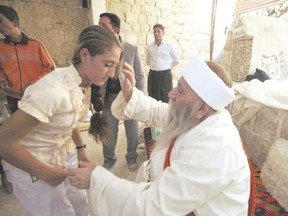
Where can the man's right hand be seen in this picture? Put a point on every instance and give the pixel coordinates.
(80, 177)
(129, 81)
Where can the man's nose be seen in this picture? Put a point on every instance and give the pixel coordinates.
(171, 94)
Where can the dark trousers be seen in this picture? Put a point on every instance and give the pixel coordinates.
(160, 84)
(12, 103)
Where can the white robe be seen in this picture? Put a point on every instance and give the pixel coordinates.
(209, 172)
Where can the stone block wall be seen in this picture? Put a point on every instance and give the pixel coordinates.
(256, 41)
(57, 24)
(274, 172)
(242, 53)
(186, 22)
(261, 131)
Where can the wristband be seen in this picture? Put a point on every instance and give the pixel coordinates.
(81, 146)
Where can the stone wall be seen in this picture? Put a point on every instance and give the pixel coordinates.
(254, 42)
(187, 25)
(274, 172)
(262, 130)
(241, 55)
(258, 42)
(56, 23)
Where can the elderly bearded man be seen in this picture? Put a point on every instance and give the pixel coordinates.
(198, 166)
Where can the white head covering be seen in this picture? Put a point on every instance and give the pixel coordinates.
(207, 84)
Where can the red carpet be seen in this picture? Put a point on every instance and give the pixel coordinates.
(266, 205)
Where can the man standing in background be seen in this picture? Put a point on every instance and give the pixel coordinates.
(109, 91)
(23, 60)
(161, 57)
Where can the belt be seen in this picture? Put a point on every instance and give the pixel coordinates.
(160, 71)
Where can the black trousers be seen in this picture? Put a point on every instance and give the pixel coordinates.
(160, 84)
(12, 103)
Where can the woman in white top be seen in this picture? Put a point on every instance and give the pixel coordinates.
(37, 140)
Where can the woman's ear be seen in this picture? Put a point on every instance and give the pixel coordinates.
(202, 110)
(84, 54)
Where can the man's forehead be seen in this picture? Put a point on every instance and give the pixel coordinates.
(184, 85)
(157, 29)
(105, 20)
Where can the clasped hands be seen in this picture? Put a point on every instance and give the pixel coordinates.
(80, 177)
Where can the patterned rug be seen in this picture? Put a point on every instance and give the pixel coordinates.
(266, 205)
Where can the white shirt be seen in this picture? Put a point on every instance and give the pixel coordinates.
(209, 172)
(58, 102)
(161, 57)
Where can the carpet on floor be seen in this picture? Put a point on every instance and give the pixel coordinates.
(266, 205)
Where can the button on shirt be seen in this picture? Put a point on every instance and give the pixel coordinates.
(161, 57)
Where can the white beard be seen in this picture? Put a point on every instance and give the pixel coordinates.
(179, 121)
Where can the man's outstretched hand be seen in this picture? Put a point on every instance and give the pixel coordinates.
(80, 177)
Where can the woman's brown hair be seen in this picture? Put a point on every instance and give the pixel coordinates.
(97, 40)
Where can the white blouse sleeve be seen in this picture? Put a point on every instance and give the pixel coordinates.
(42, 102)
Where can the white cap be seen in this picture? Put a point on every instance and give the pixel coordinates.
(207, 84)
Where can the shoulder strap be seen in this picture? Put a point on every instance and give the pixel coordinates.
(168, 153)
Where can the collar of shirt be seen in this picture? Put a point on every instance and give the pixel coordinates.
(73, 80)
(24, 40)
(162, 42)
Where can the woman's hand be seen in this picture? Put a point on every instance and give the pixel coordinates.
(80, 178)
(55, 176)
(128, 83)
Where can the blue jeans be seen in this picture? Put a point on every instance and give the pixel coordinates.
(131, 130)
